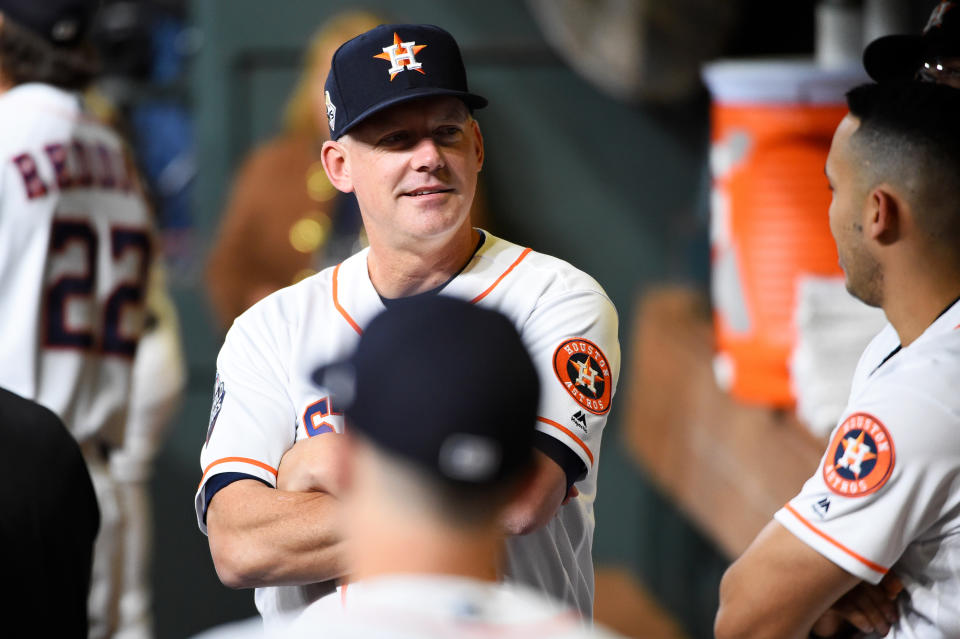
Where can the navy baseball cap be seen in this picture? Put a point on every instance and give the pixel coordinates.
(443, 384)
(390, 64)
(60, 22)
(898, 57)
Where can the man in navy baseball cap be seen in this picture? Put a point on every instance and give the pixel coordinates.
(63, 23)
(391, 64)
(405, 142)
(932, 56)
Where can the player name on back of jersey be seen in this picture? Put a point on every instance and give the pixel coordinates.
(74, 164)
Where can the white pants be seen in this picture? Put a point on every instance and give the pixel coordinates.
(104, 579)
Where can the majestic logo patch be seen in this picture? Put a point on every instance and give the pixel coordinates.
(860, 457)
(218, 394)
(401, 56)
(583, 370)
(579, 420)
(331, 111)
(822, 507)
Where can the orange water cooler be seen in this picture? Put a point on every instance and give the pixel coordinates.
(772, 122)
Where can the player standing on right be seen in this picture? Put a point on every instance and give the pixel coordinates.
(75, 246)
(884, 505)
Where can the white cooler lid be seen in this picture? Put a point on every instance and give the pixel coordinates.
(779, 80)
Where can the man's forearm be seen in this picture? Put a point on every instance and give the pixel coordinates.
(260, 536)
(538, 502)
(745, 612)
(778, 588)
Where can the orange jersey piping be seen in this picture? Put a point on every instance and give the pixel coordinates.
(245, 460)
(336, 302)
(869, 564)
(569, 434)
(479, 297)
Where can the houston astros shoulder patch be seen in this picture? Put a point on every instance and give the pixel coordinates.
(860, 457)
(583, 370)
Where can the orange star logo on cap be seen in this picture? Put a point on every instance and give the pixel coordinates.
(401, 56)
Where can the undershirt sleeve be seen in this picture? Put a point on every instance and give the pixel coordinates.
(220, 481)
(573, 467)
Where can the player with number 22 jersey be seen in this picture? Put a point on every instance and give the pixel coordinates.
(74, 255)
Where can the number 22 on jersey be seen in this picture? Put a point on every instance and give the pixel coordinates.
(94, 302)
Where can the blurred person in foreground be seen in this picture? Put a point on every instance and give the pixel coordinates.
(872, 542)
(49, 522)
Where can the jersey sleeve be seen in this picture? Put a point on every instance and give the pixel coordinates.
(252, 420)
(573, 341)
(881, 483)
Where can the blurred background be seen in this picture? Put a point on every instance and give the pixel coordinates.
(605, 148)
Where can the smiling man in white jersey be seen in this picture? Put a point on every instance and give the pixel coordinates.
(403, 139)
(872, 542)
(75, 247)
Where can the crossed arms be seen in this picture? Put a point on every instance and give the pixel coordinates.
(782, 588)
(261, 536)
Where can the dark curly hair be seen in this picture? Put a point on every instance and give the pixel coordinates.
(26, 56)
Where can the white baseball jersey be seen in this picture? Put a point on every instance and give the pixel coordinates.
(74, 252)
(265, 400)
(422, 607)
(887, 493)
(427, 607)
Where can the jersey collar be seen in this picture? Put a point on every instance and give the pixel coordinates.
(357, 301)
